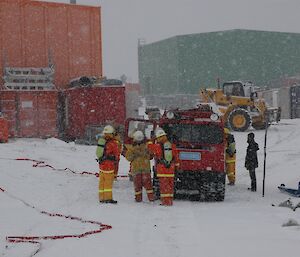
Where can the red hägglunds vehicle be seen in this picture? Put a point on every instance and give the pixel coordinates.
(199, 138)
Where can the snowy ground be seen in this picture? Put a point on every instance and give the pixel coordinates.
(245, 224)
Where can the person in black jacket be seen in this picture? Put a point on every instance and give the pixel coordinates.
(251, 162)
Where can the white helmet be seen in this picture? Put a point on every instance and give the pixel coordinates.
(138, 136)
(159, 133)
(108, 129)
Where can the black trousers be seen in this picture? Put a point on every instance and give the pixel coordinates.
(253, 179)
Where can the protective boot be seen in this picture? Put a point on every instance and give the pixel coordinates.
(112, 201)
(109, 201)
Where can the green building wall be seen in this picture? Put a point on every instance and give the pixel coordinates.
(158, 66)
(184, 64)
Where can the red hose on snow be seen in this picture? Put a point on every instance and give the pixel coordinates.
(35, 239)
(43, 164)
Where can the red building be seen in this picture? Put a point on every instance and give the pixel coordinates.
(34, 35)
(33, 32)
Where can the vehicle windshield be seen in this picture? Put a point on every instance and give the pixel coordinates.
(144, 126)
(194, 133)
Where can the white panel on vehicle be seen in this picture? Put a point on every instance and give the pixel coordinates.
(190, 156)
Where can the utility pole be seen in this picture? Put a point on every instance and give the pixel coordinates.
(265, 152)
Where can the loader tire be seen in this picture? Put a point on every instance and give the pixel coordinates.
(239, 120)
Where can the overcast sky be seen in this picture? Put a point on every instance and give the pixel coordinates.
(125, 21)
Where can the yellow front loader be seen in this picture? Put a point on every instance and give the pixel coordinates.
(239, 106)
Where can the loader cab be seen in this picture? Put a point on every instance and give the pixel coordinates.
(239, 89)
(233, 89)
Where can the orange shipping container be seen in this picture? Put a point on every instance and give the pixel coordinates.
(3, 130)
(31, 32)
(30, 113)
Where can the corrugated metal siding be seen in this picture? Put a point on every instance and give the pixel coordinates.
(3, 130)
(258, 56)
(287, 98)
(285, 102)
(158, 67)
(97, 105)
(30, 30)
(30, 113)
(295, 101)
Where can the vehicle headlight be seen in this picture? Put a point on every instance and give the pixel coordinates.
(170, 115)
(214, 117)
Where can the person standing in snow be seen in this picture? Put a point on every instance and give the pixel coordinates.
(230, 156)
(165, 164)
(108, 155)
(251, 162)
(139, 157)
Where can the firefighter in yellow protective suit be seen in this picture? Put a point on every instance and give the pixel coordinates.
(230, 156)
(108, 155)
(139, 157)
